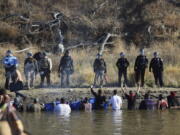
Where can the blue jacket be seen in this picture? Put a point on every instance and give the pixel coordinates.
(10, 61)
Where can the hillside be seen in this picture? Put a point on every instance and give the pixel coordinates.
(139, 22)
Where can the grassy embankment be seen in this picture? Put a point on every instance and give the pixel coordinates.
(83, 61)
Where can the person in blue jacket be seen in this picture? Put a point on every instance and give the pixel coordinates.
(10, 64)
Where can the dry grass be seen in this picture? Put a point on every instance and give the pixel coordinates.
(83, 62)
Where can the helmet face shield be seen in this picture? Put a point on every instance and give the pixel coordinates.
(142, 52)
(122, 54)
(8, 52)
(155, 54)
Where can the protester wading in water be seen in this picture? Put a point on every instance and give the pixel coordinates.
(86, 105)
(147, 103)
(156, 65)
(35, 107)
(162, 103)
(131, 98)
(10, 124)
(116, 101)
(30, 70)
(10, 63)
(100, 99)
(122, 65)
(63, 108)
(140, 66)
(66, 68)
(100, 70)
(172, 100)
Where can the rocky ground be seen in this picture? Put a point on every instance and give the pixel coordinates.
(47, 95)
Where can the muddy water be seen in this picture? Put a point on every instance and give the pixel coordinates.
(104, 123)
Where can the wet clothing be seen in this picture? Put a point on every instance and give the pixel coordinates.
(162, 104)
(156, 65)
(116, 102)
(99, 70)
(35, 107)
(172, 101)
(99, 100)
(10, 64)
(45, 66)
(66, 68)
(140, 66)
(62, 109)
(131, 101)
(147, 104)
(30, 70)
(122, 65)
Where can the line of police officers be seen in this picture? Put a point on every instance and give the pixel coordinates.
(42, 64)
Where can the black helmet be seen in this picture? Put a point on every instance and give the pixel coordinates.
(66, 52)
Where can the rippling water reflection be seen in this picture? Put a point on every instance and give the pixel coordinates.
(104, 123)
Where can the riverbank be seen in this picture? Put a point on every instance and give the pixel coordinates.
(46, 95)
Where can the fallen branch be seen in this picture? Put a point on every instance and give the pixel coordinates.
(23, 50)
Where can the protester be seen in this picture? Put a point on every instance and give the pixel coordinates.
(18, 103)
(147, 103)
(30, 70)
(116, 101)
(172, 100)
(99, 70)
(36, 106)
(45, 67)
(63, 108)
(156, 65)
(66, 69)
(10, 63)
(122, 65)
(162, 103)
(86, 105)
(131, 98)
(140, 66)
(100, 99)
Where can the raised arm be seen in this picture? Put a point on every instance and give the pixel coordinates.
(93, 92)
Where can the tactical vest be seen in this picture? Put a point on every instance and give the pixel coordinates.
(44, 64)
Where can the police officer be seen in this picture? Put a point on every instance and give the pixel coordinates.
(122, 65)
(66, 68)
(99, 69)
(30, 69)
(10, 63)
(45, 67)
(156, 66)
(140, 66)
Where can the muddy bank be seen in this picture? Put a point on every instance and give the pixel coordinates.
(50, 94)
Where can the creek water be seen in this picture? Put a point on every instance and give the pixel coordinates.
(104, 123)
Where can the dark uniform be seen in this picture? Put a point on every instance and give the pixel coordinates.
(156, 65)
(66, 68)
(140, 66)
(45, 66)
(122, 65)
(99, 70)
